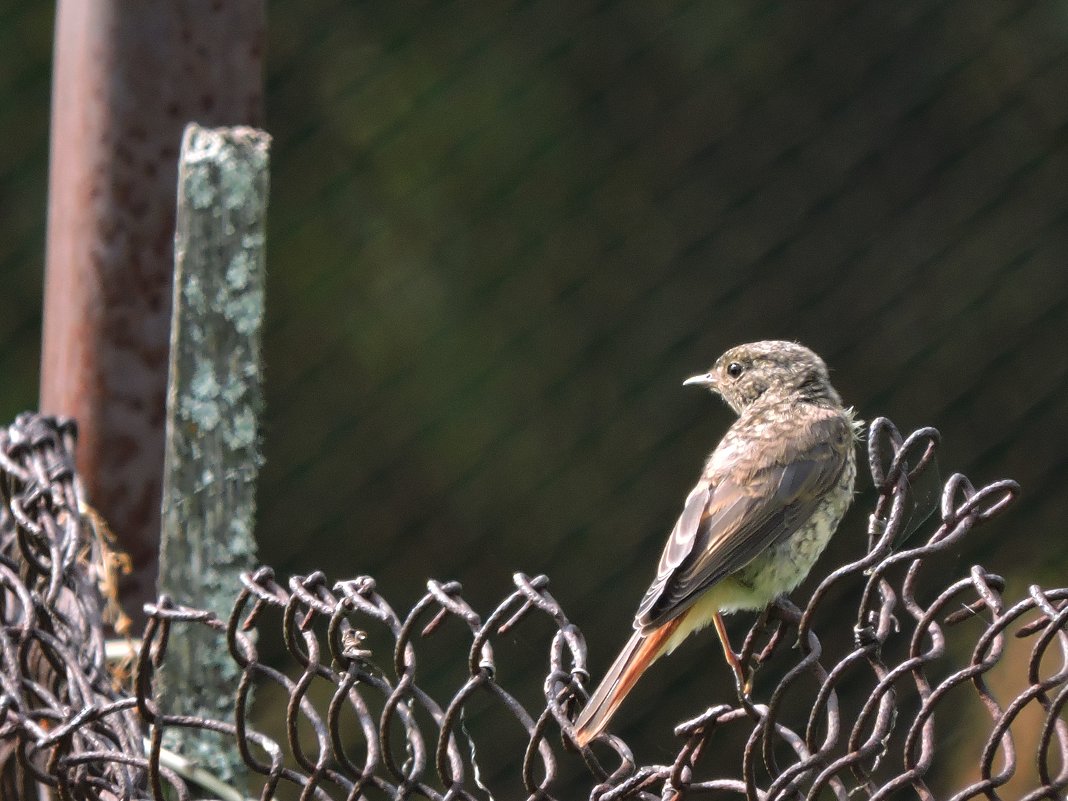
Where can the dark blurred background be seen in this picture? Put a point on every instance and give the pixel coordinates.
(501, 236)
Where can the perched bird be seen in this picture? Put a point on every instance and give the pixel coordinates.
(770, 496)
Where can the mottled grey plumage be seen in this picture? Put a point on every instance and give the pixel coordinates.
(770, 496)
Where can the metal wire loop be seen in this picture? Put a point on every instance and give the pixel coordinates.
(848, 702)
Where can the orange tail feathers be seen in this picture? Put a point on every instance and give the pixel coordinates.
(637, 655)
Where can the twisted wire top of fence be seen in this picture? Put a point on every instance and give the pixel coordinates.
(361, 716)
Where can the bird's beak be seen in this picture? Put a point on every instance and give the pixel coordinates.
(705, 380)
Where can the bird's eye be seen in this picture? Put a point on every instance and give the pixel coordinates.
(734, 369)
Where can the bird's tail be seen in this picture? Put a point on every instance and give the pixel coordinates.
(637, 655)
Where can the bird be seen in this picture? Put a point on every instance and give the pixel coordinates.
(768, 500)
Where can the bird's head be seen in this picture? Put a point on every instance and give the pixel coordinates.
(772, 370)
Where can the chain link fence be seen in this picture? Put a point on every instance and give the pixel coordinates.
(359, 714)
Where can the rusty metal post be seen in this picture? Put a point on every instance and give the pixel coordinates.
(127, 78)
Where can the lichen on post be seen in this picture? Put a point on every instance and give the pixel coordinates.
(214, 402)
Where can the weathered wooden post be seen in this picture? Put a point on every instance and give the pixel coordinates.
(214, 400)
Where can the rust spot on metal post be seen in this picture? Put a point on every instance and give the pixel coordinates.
(127, 79)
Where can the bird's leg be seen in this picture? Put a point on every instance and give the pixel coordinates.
(741, 680)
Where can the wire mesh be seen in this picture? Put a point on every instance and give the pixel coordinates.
(364, 721)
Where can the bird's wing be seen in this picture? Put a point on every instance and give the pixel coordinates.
(730, 517)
